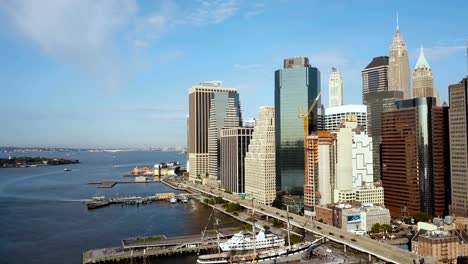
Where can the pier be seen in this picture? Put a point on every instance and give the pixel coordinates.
(110, 184)
(157, 246)
(98, 202)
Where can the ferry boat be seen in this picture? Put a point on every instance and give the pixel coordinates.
(239, 242)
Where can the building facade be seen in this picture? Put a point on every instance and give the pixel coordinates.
(443, 246)
(362, 158)
(375, 77)
(378, 102)
(200, 97)
(335, 88)
(370, 194)
(398, 68)
(224, 113)
(423, 83)
(296, 87)
(260, 172)
(335, 115)
(414, 157)
(321, 169)
(458, 97)
(234, 144)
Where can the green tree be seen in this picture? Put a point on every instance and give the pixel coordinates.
(266, 227)
(375, 228)
(386, 227)
(219, 200)
(294, 239)
(421, 217)
(277, 223)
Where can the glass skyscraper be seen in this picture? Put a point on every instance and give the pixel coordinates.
(296, 86)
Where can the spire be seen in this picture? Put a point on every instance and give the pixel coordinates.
(397, 24)
(422, 62)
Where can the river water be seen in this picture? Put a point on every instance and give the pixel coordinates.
(42, 218)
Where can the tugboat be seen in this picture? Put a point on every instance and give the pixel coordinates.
(239, 249)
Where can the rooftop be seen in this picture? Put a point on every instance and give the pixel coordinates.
(377, 62)
(345, 109)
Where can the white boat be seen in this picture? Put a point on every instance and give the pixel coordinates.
(184, 199)
(239, 242)
(66, 169)
(173, 200)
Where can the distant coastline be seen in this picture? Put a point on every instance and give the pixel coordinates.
(13, 149)
(25, 162)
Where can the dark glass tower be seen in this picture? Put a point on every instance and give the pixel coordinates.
(296, 86)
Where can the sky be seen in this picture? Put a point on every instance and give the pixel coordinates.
(116, 74)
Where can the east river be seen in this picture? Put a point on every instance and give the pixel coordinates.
(43, 220)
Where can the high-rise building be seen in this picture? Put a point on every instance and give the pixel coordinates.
(224, 113)
(363, 169)
(335, 87)
(458, 98)
(234, 144)
(398, 67)
(344, 155)
(200, 97)
(375, 77)
(296, 87)
(423, 83)
(250, 122)
(378, 102)
(335, 115)
(260, 172)
(321, 170)
(414, 157)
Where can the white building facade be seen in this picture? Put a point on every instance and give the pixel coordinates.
(334, 116)
(335, 88)
(260, 166)
(362, 156)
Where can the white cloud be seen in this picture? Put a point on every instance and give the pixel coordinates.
(76, 31)
(441, 52)
(212, 12)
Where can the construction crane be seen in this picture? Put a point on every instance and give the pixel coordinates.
(305, 120)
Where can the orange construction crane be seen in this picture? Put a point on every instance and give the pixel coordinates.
(305, 119)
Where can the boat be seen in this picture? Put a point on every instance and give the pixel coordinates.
(66, 169)
(184, 199)
(173, 200)
(262, 248)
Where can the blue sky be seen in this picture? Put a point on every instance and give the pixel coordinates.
(88, 73)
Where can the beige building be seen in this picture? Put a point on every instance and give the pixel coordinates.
(423, 83)
(443, 246)
(260, 167)
(398, 66)
(458, 123)
(370, 194)
(335, 88)
(200, 97)
(234, 144)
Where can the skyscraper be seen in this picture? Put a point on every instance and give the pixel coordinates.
(377, 103)
(414, 157)
(375, 76)
(335, 87)
(234, 144)
(224, 113)
(335, 115)
(423, 84)
(296, 86)
(458, 98)
(398, 68)
(200, 97)
(260, 166)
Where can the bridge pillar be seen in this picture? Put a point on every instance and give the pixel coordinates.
(344, 249)
(370, 258)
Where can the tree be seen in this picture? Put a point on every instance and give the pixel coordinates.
(266, 227)
(277, 223)
(386, 227)
(375, 228)
(421, 217)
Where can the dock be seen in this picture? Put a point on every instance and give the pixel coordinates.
(149, 248)
(98, 202)
(110, 184)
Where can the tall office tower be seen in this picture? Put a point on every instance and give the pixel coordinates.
(335, 115)
(335, 87)
(224, 113)
(296, 86)
(375, 77)
(321, 118)
(321, 169)
(200, 97)
(437, 96)
(398, 67)
(260, 172)
(423, 84)
(458, 98)
(234, 144)
(344, 156)
(414, 157)
(363, 166)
